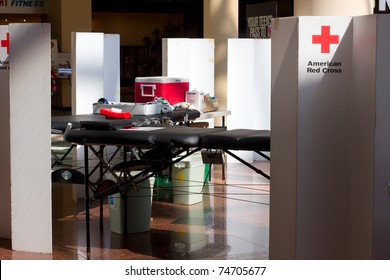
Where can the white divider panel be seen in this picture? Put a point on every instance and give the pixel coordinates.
(262, 87)
(88, 71)
(176, 58)
(284, 139)
(381, 240)
(330, 139)
(192, 59)
(325, 48)
(30, 116)
(202, 65)
(362, 132)
(310, 194)
(5, 185)
(249, 86)
(112, 67)
(370, 150)
(96, 74)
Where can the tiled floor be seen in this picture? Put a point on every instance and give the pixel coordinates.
(231, 222)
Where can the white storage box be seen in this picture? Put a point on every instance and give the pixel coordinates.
(187, 180)
(187, 243)
(196, 99)
(139, 209)
(143, 109)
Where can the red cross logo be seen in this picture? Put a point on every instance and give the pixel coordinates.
(325, 39)
(5, 43)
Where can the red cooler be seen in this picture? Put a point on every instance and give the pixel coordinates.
(172, 89)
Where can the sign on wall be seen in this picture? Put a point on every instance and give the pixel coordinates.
(382, 7)
(22, 6)
(258, 21)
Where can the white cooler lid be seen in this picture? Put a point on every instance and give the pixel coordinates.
(160, 79)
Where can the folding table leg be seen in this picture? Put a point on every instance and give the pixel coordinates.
(86, 184)
(101, 214)
(101, 174)
(125, 209)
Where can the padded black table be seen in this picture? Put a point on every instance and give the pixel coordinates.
(166, 146)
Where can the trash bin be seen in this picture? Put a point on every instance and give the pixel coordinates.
(162, 190)
(139, 207)
(188, 177)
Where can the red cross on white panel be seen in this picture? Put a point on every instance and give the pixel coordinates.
(5, 43)
(325, 39)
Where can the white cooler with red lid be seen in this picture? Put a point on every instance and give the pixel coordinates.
(172, 89)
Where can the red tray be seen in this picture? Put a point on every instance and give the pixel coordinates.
(114, 115)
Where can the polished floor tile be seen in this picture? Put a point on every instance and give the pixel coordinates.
(230, 222)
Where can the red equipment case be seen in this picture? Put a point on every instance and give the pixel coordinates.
(172, 89)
